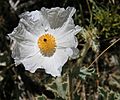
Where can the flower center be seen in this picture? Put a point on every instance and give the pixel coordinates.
(47, 44)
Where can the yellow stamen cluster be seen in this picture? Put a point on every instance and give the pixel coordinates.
(47, 44)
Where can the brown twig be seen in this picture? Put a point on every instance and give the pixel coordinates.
(69, 86)
(83, 92)
(7, 68)
(103, 52)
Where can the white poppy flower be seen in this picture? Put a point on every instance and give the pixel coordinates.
(45, 39)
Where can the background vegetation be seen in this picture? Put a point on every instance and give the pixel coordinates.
(95, 75)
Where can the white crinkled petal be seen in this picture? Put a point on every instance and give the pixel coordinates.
(65, 35)
(75, 53)
(31, 16)
(69, 52)
(76, 42)
(72, 52)
(34, 22)
(33, 63)
(68, 27)
(57, 16)
(20, 34)
(15, 53)
(54, 64)
(25, 44)
(23, 50)
(51, 67)
(66, 41)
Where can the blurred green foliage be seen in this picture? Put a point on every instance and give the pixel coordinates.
(80, 80)
(107, 20)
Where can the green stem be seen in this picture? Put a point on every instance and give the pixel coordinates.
(89, 11)
(60, 87)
